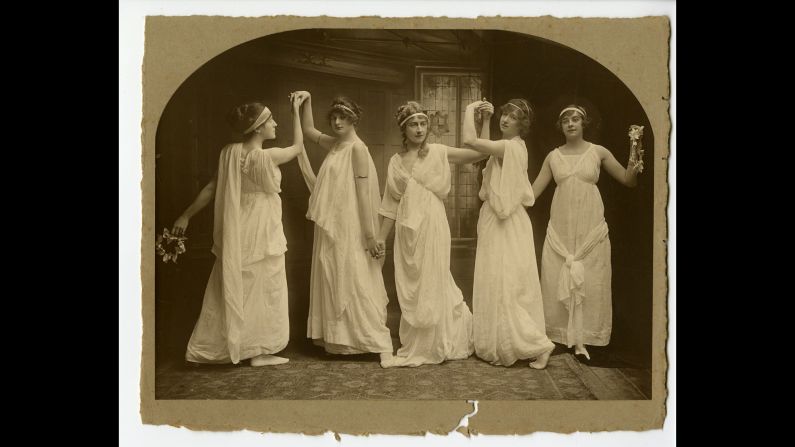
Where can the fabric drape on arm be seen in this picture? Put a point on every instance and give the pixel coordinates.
(506, 186)
(226, 243)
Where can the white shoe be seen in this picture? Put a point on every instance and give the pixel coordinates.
(268, 360)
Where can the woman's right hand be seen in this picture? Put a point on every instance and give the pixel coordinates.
(302, 95)
(486, 109)
(180, 226)
(371, 247)
(381, 247)
(474, 105)
(297, 100)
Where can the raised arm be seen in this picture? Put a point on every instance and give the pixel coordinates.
(308, 123)
(484, 146)
(283, 155)
(625, 176)
(361, 174)
(544, 177)
(204, 197)
(486, 112)
(462, 156)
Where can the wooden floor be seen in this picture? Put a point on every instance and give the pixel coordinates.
(613, 383)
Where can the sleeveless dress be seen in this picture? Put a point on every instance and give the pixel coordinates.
(575, 263)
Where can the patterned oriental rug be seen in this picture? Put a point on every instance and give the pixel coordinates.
(362, 378)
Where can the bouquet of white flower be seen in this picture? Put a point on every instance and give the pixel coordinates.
(170, 246)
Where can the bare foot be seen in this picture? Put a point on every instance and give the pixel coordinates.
(580, 350)
(268, 360)
(541, 361)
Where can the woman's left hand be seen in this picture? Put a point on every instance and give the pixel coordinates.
(371, 246)
(296, 100)
(474, 105)
(300, 95)
(381, 245)
(486, 109)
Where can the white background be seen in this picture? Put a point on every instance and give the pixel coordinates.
(131, 47)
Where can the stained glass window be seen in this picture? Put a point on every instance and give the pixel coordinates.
(445, 95)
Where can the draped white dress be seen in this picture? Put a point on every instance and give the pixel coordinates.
(575, 263)
(435, 323)
(347, 298)
(244, 313)
(507, 304)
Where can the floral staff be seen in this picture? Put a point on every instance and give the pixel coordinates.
(636, 147)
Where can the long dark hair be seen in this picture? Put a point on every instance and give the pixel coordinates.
(244, 115)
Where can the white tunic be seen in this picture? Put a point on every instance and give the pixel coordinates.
(435, 324)
(506, 297)
(244, 313)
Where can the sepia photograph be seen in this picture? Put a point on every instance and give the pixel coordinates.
(403, 214)
(408, 214)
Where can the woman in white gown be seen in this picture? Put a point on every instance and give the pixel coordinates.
(347, 298)
(244, 313)
(575, 263)
(506, 296)
(435, 323)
